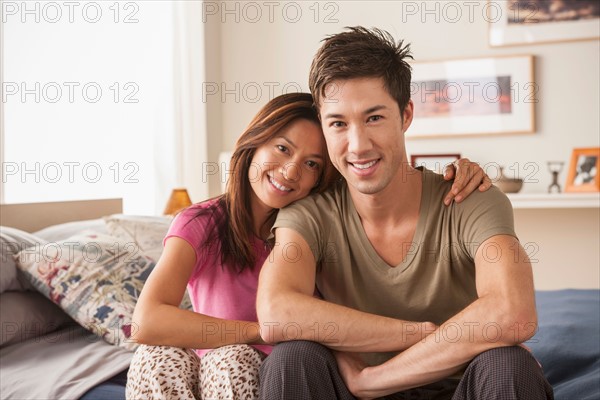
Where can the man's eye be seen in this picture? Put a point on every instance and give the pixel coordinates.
(374, 117)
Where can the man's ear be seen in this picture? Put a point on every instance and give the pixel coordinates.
(407, 115)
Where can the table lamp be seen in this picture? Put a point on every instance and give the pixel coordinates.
(178, 200)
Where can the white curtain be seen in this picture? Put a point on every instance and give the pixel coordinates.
(2, 114)
(183, 165)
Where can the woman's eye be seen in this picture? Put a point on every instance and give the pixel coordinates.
(312, 164)
(337, 124)
(281, 148)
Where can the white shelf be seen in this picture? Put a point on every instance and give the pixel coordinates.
(562, 200)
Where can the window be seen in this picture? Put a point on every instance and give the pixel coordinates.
(87, 93)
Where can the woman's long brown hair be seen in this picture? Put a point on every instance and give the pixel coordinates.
(235, 224)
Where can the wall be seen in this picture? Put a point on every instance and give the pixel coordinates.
(270, 47)
(562, 245)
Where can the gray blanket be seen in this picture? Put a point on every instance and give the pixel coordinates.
(61, 365)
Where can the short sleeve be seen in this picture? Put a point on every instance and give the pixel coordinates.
(481, 216)
(191, 227)
(305, 217)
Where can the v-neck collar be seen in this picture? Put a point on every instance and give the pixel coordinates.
(417, 239)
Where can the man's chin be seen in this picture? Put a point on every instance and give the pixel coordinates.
(364, 187)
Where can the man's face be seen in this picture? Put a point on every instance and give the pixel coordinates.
(364, 131)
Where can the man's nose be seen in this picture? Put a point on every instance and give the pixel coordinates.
(358, 140)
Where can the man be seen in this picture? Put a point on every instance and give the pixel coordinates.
(420, 300)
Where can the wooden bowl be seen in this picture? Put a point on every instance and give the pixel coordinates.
(509, 185)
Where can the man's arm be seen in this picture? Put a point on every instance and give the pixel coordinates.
(287, 309)
(503, 315)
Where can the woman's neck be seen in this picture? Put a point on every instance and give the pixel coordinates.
(260, 216)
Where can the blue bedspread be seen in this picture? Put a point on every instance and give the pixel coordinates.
(567, 343)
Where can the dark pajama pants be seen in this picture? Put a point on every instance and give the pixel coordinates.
(307, 370)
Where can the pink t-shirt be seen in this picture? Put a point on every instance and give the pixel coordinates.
(215, 289)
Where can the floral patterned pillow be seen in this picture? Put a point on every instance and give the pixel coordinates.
(145, 232)
(95, 278)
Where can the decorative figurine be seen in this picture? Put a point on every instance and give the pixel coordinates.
(555, 167)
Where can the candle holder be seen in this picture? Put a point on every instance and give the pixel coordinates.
(555, 167)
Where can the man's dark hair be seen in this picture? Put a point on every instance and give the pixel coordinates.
(362, 53)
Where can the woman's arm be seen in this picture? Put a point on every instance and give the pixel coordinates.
(158, 320)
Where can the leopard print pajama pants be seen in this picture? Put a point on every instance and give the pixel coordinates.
(165, 373)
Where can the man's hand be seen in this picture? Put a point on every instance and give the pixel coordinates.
(351, 366)
(467, 177)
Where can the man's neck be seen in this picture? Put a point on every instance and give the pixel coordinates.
(399, 201)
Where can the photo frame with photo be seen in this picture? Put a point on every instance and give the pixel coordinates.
(522, 22)
(584, 169)
(433, 162)
(478, 96)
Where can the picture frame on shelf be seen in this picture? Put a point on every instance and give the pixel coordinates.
(433, 162)
(477, 96)
(522, 22)
(583, 173)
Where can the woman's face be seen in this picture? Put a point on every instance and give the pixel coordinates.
(287, 167)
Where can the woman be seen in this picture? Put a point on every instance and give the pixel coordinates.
(217, 248)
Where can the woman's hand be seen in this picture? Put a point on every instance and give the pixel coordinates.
(467, 177)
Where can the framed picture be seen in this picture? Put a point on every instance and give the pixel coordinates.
(434, 162)
(583, 171)
(517, 22)
(479, 96)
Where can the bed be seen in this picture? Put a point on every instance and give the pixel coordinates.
(66, 317)
(66, 309)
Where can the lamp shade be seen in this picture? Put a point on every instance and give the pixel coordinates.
(178, 201)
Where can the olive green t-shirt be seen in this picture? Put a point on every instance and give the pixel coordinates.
(437, 277)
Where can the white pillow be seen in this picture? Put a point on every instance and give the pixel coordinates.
(145, 233)
(13, 241)
(26, 315)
